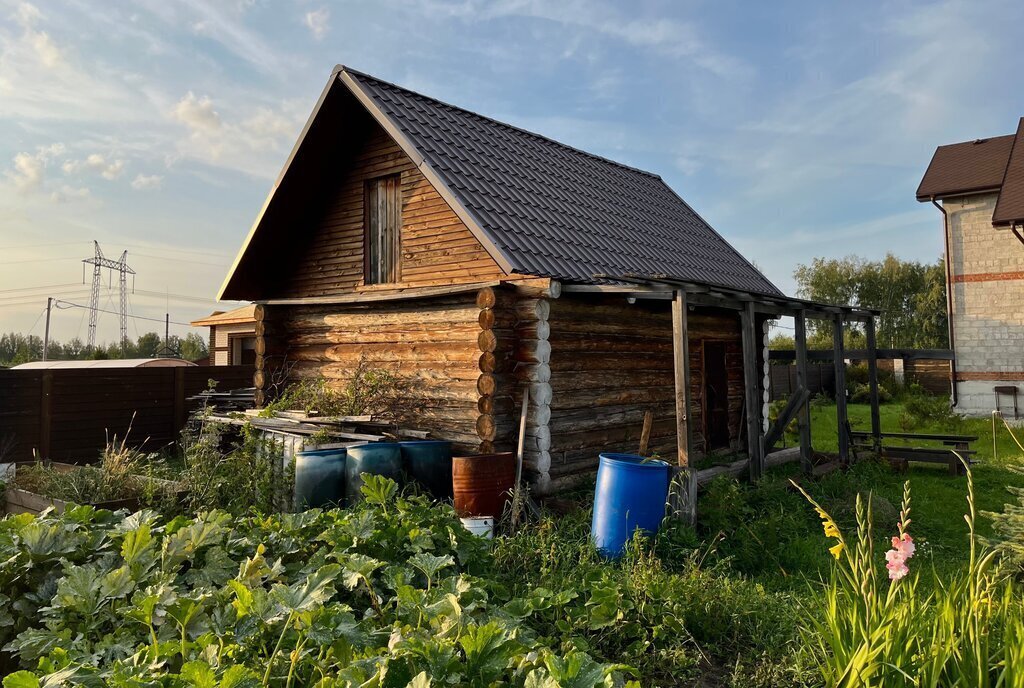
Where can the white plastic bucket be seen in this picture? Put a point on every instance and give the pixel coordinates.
(482, 526)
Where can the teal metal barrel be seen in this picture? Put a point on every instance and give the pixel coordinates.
(319, 478)
(429, 462)
(376, 458)
(630, 496)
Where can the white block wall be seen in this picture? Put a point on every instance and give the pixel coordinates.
(987, 265)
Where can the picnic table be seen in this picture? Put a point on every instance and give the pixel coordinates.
(899, 456)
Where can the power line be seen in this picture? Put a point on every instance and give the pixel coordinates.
(42, 286)
(38, 260)
(180, 260)
(68, 304)
(14, 247)
(178, 297)
(179, 250)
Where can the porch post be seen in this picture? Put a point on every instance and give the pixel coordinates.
(681, 364)
(839, 362)
(876, 420)
(752, 388)
(804, 419)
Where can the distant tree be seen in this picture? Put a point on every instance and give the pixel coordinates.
(909, 294)
(193, 347)
(781, 342)
(148, 345)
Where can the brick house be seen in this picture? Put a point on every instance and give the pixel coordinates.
(232, 336)
(979, 188)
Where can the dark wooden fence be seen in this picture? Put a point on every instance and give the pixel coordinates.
(934, 376)
(821, 379)
(67, 415)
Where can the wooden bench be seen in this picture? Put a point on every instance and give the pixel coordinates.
(900, 456)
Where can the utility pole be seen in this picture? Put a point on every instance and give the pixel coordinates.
(46, 332)
(99, 261)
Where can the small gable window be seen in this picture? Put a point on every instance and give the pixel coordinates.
(383, 219)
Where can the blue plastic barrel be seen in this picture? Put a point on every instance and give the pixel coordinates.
(429, 462)
(630, 495)
(319, 478)
(377, 458)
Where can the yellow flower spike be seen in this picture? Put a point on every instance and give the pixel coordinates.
(836, 550)
(831, 530)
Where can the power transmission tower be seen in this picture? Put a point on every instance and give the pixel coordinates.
(99, 261)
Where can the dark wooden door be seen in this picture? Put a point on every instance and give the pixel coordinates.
(716, 396)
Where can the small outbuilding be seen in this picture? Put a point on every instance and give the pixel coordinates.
(232, 336)
(477, 260)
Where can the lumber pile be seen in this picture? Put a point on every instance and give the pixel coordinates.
(225, 402)
(347, 428)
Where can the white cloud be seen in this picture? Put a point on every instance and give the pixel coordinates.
(95, 162)
(197, 113)
(236, 144)
(66, 194)
(144, 182)
(30, 168)
(46, 50)
(28, 172)
(27, 14)
(316, 22)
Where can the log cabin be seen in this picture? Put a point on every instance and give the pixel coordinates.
(477, 260)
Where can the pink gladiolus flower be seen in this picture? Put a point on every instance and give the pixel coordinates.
(896, 559)
(905, 545)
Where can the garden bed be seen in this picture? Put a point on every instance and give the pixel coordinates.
(19, 499)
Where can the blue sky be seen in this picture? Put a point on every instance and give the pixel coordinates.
(796, 129)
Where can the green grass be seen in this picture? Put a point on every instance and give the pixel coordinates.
(771, 535)
(733, 584)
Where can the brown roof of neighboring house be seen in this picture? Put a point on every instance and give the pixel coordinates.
(243, 314)
(967, 167)
(1010, 206)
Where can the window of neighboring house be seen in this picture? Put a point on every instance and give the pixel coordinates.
(243, 350)
(383, 219)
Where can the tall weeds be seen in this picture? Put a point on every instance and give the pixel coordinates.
(869, 629)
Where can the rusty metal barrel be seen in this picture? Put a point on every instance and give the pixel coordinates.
(483, 483)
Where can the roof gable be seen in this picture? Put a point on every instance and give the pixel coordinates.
(540, 207)
(968, 167)
(1010, 205)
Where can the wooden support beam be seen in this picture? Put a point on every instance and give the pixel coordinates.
(838, 357)
(862, 355)
(804, 419)
(876, 420)
(681, 365)
(797, 401)
(752, 387)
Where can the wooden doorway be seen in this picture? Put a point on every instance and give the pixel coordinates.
(716, 396)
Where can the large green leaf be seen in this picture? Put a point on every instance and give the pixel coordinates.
(21, 679)
(306, 595)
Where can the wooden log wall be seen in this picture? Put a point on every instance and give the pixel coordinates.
(610, 362)
(435, 347)
(436, 247)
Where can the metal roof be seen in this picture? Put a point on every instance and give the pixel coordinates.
(537, 206)
(966, 167)
(106, 363)
(1010, 206)
(240, 315)
(555, 211)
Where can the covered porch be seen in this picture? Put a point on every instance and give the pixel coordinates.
(761, 437)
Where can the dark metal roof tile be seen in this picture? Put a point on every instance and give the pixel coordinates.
(557, 211)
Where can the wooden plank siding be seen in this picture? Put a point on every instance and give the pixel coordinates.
(436, 247)
(83, 407)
